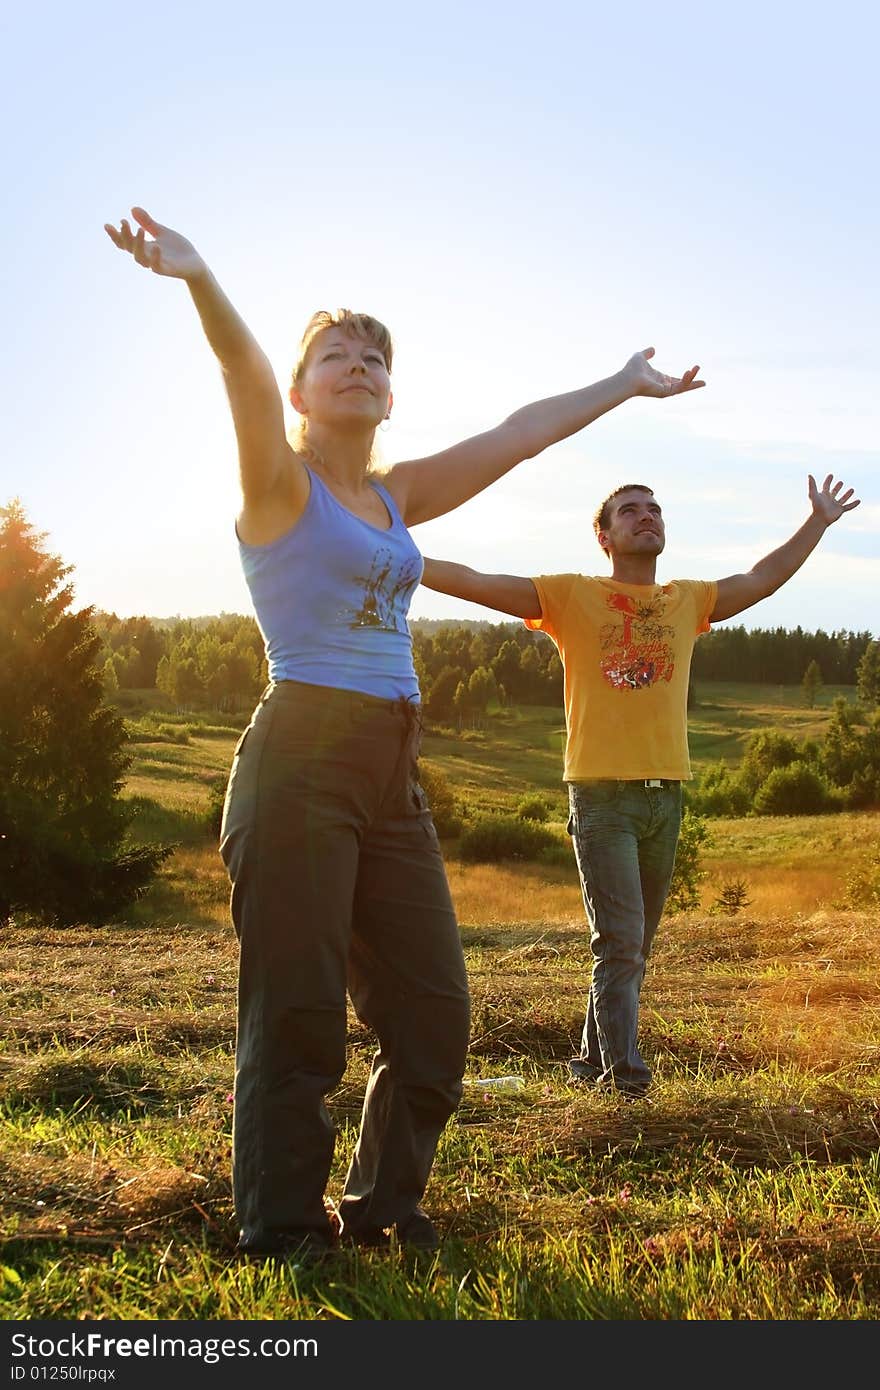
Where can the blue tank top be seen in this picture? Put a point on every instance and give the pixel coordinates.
(331, 598)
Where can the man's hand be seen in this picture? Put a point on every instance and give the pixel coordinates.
(740, 591)
(168, 253)
(827, 504)
(645, 381)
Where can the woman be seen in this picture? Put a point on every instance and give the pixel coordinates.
(337, 878)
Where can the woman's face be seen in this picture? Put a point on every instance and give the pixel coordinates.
(345, 381)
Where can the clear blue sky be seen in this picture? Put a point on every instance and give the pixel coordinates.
(525, 194)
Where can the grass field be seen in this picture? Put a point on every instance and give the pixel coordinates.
(748, 1188)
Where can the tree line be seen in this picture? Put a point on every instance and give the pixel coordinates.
(778, 656)
(464, 667)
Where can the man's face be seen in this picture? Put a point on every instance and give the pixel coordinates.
(635, 526)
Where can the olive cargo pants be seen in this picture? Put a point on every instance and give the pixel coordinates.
(337, 885)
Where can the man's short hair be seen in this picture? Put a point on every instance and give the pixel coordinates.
(603, 515)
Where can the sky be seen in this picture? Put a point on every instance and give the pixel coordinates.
(526, 194)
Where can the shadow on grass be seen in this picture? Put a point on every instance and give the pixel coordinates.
(152, 823)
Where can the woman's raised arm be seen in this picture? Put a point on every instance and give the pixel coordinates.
(431, 486)
(254, 398)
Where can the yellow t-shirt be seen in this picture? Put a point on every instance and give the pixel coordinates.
(626, 651)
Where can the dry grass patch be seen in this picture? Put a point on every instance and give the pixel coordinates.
(81, 1196)
(489, 894)
(771, 888)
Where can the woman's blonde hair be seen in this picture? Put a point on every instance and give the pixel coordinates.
(356, 326)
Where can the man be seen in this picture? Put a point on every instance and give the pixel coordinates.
(626, 644)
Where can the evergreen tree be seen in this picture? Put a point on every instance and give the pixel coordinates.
(109, 677)
(63, 851)
(441, 701)
(684, 890)
(868, 675)
(811, 682)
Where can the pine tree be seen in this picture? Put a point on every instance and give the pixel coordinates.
(64, 855)
(810, 683)
(868, 675)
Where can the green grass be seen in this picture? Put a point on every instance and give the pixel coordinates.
(514, 752)
(725, 714)
(748, 1189)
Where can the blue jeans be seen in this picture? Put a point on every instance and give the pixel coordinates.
(624, 836)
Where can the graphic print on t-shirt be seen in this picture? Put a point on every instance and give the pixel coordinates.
(634, 649)
(387, 591)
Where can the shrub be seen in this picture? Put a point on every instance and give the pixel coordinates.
(216, 801)
(864, 789)
(719, 792)
(797, 790)
(684, 890)
(173, 733)
(766, 750)
(441, 799)
(495, 838)
(533, 808)
(148, 729)
(863, 883)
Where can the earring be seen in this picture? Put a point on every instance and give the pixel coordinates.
(386, 424)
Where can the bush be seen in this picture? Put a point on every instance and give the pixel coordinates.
(684, 890)
(863, 883)
(173, 733)
(533, 808)
(216, 801)
(864, 789)
(441, 799)
(766, 750)
(797, 790)
(719, 792)
(148, 729)
(493, 839)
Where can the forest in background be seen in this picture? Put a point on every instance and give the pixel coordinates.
(464, 666)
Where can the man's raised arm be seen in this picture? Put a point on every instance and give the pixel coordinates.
(508, 593)
(740, 591)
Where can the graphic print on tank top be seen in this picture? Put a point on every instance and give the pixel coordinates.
(634, 651)
(387, 591)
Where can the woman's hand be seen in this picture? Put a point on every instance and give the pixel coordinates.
(168, 253)
(265, 458)
(645, 381)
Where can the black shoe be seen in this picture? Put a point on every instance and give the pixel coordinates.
(416, 1232)
(579, 1070)
(302, 1247)
(624, 1091)
(586, 1074)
